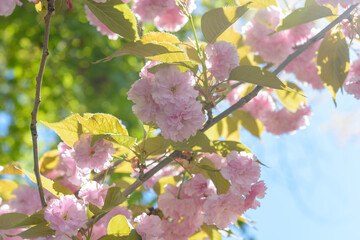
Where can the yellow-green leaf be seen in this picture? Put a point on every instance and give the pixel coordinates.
(11, 169)
(6, 187)
(199, 142)
(304, 15)
(49, 161)
(160, 37)
(256, 75)
(158, 51)
(216, 21)
(153, 146)
(333, 62)
(224, 147)
(292, 100)
(246, 120)
(8, 220)
(212, 232)
(257, 3)
(41, 230)
(160, 185)
(124, 167)
(52, 186)
(118, 226)
(113, 198)
(117, 16)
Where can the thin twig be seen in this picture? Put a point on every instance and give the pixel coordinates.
(47, 18)
(239, 104)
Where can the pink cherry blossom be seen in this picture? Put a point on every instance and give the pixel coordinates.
(180, 122)
(222, 57)
(352, 83)
(223, 209)
(93, 192)
(96, 157)
(257, 191)
(99, 25)
(148, 227)
(242, 170)
(147, 10)
(27, 200)
(260, 106)
(181, 230)
(218, 160)
(198, 186)
(334, 3)
(8, 6)
(66, 215)
(173, 87)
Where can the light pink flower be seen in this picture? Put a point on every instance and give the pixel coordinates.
(148, 227)
(260, 106)
(242, 170)
(147, 10)
(166, 171)
(352, 83)
(222, 57)
(180, 122)
(181, 230)
(8, 6)
(198, 186)
(99, 25)
(223, 209)
(27, 200)
(93, 192)
(284, 121)
(257, 191)
(66, 215)
(96, 157)
(218, 160)
(334, 3)
(173, 86)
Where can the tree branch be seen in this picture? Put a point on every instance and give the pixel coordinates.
(240, 103)
(33, 128)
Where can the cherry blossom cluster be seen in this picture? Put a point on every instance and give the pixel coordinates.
(168, 98)
(195, 202)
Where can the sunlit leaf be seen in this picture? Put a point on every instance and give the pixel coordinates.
(216, 21)
(257, 3)
(118, 226)
(256, 75)
(247, 121)
(124, 167)
(304, 15)
(6, 187)
(199, 142)
(160, 185)
(212, 232)
(49, 161)
(122, 140)
(292, 100)
(160, 37)
(117, 16)
(224, 147)
(333, 62)
(11, 169)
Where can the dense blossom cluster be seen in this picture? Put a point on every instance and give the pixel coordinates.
(352, 83)
(334, 3)
(168, 98)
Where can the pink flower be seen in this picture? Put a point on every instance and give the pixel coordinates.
(242, 170)
(99, 25)
(147, 10)
(27, 200)
(260, 106)
(66, 215)
(216, 159)
(148, 227)
(96, 157)
(8, 6)
(181, 230)
(223, 209)
(180, 122)
(352, 83)
(173, 86)
(334, 3)
(257, 191)
(284, 121)
(222, 57)
(93, 192)
(166, 171)
(198, 186)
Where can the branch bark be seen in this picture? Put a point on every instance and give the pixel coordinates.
(33, 128)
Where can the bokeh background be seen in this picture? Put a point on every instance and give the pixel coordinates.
(312, 176)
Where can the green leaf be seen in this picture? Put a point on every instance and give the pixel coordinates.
(158, 51)
(153, 146)
(112, 237)
(256, 75)
(216, 21)
(246, 120)
(40, 230)
(134, 235)
(257, 3)
(113, 198)
(117, 16)
(200, 142)
(222, 185)
(304, 15)
(224, 147)
(101, 123)
(183, 66)
(11, 169)
(118, 226)
(8, 220)
(49, 161)
(35, 219)
(95, 210)
(51, 185)
(212, 232)
(292, 100)
(333, 62)
(160, 37)
(122, 140)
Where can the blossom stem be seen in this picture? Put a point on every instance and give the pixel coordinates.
(33, 128)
